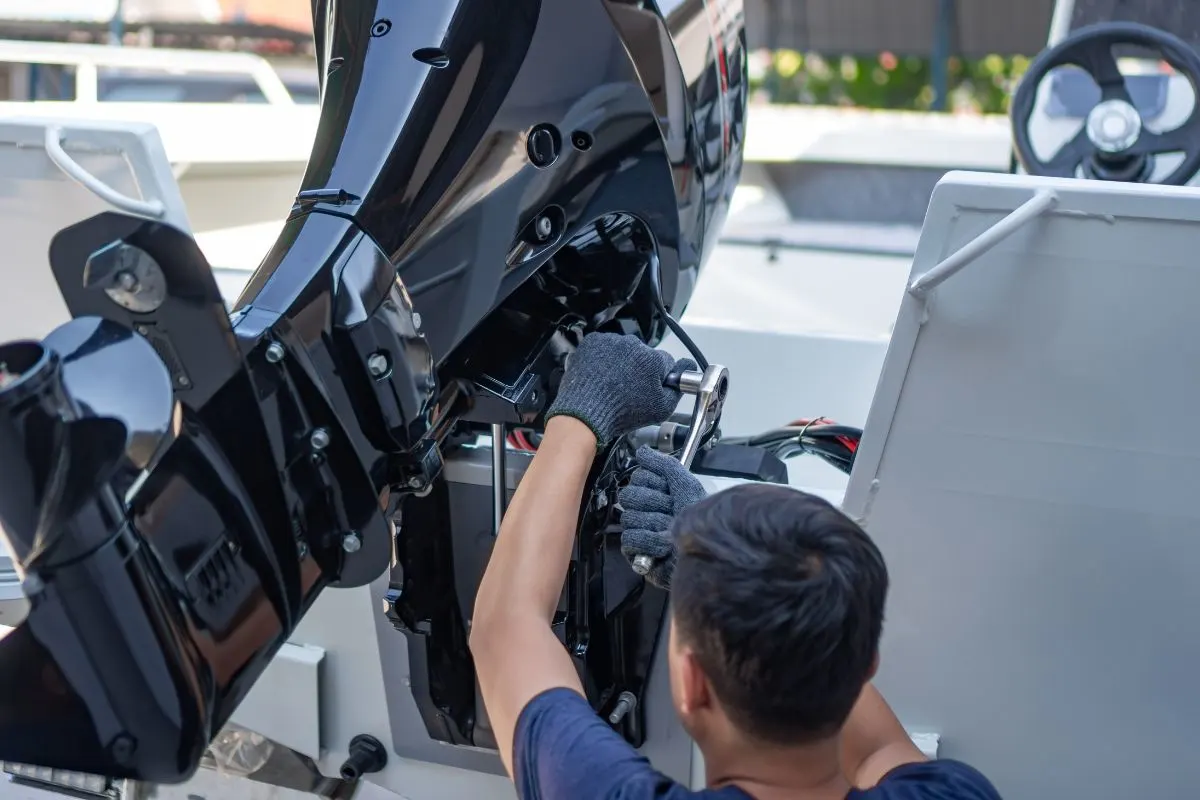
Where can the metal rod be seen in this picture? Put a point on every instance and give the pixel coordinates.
(499, 473)
(943, 36)
(116, 26)
(1031, 209)
(816, 247)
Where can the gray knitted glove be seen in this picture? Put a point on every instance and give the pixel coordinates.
(660, 488)
(614, 385)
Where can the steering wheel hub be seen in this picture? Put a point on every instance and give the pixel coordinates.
(1114, 126)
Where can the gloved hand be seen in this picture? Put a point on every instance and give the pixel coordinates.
(614, 385)
(660, 488)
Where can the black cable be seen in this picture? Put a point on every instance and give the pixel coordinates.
(835, 444)
(676, 328)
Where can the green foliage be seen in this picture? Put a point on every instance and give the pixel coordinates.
(884, 81)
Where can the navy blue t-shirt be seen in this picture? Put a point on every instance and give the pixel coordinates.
(563, 751)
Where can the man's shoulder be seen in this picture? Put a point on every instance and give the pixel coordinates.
(942, 779)
(563, 749)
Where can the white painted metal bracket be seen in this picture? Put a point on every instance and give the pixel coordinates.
(1043, 200)
(72, 169)
(285, 704)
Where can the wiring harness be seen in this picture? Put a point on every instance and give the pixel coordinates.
(821, 437)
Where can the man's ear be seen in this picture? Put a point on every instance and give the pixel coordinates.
(874, 667)
(697, 693)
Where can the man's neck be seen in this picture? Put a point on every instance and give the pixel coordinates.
(807, 772)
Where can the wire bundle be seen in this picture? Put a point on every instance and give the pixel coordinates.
(836, 444)
(524, 439)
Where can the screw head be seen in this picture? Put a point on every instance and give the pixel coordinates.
(183, 382)
(32, 584)
(127, 281)
(378, 364)
(319, 439)
(274, 353)
(352, 542)
(542, 228)
(416, 319)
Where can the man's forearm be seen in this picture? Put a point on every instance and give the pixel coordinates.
(533, 549)
(516, 654)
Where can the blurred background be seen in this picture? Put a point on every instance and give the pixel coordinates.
(943, 55)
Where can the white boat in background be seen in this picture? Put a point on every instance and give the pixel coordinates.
(238, 132)
(234, 131)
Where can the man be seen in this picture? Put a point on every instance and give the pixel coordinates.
(777, 607)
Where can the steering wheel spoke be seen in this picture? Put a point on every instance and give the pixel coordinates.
(1173, 141)
(1066, 161)
(1101, 64)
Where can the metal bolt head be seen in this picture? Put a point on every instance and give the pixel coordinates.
(378, 365)
(352, 542)
(128, 275)
(626, 702)
(319, 439)
(32, 584)
(274, 353)
(183, 382)
(127, 281)
(542, 228)
(416, 320)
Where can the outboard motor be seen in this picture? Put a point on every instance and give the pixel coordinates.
(489, 183)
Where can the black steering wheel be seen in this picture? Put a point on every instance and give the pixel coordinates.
(1113, 144)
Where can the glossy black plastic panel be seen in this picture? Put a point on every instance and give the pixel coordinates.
(488, 184)
(432, 158)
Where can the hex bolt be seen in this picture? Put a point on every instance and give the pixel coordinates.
(542, 228)
(626, 702)
(127, 281)
(275, 353)
(378, 364)
(352, 542)
(319, 439)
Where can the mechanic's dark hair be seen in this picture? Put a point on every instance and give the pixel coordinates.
(781, 597)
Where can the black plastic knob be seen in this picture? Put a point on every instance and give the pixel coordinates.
(367, 755)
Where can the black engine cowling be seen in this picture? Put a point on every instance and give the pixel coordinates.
(488, 183)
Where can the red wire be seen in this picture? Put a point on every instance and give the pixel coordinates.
(846, 441)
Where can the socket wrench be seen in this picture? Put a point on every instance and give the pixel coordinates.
(710, 388)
